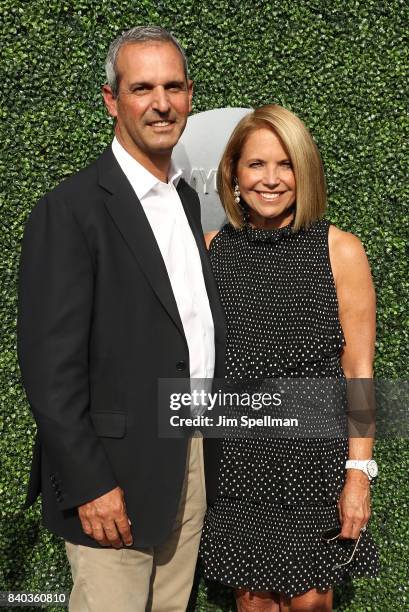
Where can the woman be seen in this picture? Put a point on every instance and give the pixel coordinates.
(299, 302)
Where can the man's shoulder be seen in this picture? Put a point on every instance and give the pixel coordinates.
(81, 182)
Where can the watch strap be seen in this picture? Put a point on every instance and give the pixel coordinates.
(359, 464)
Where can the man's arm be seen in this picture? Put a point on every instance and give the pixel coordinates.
(55, 316)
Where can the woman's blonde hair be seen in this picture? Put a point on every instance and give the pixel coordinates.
(311, 199)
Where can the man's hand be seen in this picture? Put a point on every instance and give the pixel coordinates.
(105, 519)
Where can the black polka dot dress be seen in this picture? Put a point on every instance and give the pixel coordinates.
(277, 496)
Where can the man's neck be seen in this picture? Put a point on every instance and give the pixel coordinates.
(157, 165)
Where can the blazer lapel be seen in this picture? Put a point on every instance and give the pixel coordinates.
(211, 287)
(128, 215)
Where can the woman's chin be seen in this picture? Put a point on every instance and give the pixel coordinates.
(271, 219)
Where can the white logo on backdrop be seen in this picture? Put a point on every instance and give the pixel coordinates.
(198, 153)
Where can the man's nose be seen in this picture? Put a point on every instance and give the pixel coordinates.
(160, 100)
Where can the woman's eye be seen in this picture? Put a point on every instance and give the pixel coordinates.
(255, 164)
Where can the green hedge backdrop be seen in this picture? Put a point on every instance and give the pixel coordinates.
(338, 64)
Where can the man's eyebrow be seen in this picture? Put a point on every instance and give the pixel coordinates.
(148, 85)
(144, 84)
(175, 84)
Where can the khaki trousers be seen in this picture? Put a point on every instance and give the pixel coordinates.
(157, 579)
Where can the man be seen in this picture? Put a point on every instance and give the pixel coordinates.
(116, 292)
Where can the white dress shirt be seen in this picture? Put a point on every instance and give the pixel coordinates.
(166, 216)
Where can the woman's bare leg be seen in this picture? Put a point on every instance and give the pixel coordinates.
(311, 601)
(248, 601)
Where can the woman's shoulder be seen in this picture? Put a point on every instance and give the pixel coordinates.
(347, 256)
(210, 236)
(344, 244)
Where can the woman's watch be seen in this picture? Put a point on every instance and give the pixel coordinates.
(368, 466)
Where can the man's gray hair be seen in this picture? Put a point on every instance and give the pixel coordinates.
(138, 34)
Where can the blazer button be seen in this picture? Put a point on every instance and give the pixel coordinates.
(181, 366)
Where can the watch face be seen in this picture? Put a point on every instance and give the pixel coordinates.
(372, 468)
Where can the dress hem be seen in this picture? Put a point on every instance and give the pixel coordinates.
(321, 588)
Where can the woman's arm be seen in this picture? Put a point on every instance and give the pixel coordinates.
(356, 300)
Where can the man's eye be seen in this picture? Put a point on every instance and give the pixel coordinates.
(139, 90)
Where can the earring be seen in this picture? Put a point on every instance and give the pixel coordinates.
(236, 190)
(239, 201)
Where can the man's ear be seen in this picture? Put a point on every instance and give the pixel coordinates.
(190, 92)
(110, 100)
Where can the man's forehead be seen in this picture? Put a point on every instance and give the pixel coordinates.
(143, 52)
(150, 62)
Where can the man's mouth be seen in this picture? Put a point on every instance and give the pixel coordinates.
(162, 123)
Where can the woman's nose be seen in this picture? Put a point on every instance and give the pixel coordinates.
(271, 177)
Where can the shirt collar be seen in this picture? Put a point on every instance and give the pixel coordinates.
(140, 178)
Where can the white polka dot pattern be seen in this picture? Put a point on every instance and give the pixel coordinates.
(277, 496)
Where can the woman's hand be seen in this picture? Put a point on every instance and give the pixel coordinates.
(354, 505)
